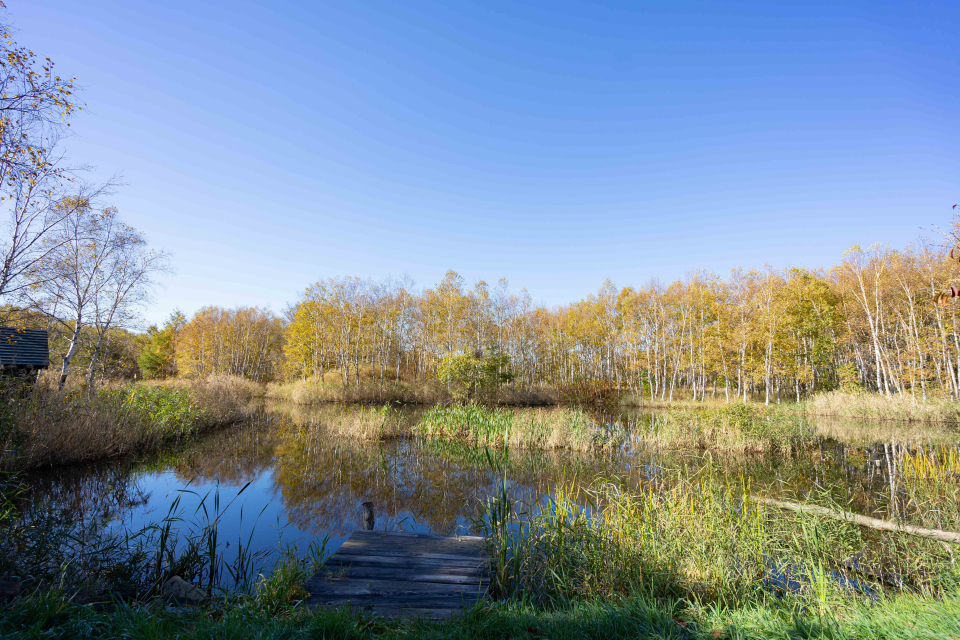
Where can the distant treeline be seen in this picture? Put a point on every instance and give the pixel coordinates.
(868, 322)
(69, 264)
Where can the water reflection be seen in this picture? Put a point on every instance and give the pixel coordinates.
(304, 483)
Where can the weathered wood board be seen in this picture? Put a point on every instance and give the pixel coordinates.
(393, 574)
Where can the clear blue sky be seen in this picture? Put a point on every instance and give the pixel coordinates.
(555, 143)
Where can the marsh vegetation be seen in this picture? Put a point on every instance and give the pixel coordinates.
(627, 455)
(44, 425)
(656, 532)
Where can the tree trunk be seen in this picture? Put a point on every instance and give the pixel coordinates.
(74, 340)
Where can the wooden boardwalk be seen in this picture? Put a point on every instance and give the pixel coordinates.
(394, 574)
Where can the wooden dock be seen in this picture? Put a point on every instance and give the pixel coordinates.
(395, 574)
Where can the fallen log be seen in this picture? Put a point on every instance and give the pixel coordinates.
(873, 523)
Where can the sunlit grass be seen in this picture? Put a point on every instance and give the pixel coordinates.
(703, 539)
(553, 428)
(736, 427)
(45, 426)
(877, 407)
(369, 390)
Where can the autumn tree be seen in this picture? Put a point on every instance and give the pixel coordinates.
(247, 341)
(97, 274)
(158, 357)
(36, 105)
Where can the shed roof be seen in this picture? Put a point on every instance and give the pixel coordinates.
(24, 347)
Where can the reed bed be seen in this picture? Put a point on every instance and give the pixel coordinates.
(862, 405)
(474, 425)
(867, 432)
(734, 428)
(82, 556)
(308, 392)
(44, 426)
(700, 538)
(554, 428)
(367, 423)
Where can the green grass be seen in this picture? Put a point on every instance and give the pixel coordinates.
(681, 555)
(701, 538)
(552, 428)
(736, 427)
(44, 426)
(52, 617)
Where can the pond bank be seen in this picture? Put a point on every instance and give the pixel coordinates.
(850, 405)
(45, 426)
(601, 535)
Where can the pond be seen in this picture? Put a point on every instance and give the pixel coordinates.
(280, 478)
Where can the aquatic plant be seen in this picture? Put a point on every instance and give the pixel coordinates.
(703, 538)
(48, 547)
(736, 427)
(543, 428)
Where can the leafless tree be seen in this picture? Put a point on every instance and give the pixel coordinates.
(96, 272)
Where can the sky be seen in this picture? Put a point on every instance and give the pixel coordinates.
(268, 145)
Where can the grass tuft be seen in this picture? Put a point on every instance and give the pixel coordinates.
(735, 427)
(554, 428)
(45, 426)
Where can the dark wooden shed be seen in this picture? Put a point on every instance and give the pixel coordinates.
(23, 349)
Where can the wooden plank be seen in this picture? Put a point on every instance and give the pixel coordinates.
(423, 574)
(344, 560)
(411, 612)
(402, 535)
(359, 586)
(413, 546)
(356, 550)
(417, 600)
(417, 539)
(455, 545)
(403, 574)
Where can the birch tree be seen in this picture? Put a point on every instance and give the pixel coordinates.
(36, 105)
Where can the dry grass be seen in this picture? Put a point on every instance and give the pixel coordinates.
(876, 407)
(46, 426)
(306, 392)
(541, 428)
(237, 386)
(734, 428)
(370, 423)
(527, 396)
(545, 428)
(644, 402)
(868, 431)
(367, 423)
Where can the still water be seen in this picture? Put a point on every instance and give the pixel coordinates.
(282, 479)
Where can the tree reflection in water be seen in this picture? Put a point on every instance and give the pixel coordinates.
(315, 483)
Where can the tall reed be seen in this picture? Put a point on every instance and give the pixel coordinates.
(735, 427)
(47, 547)
(48, 426)
(554, 428)
(862, 405)
(699, 537)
